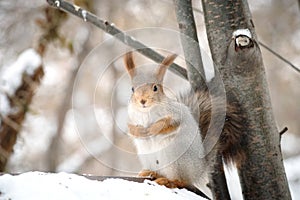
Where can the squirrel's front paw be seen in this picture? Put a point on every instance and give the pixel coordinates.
(162, 180)
(149, 174)
(170, 183)
(137, 130)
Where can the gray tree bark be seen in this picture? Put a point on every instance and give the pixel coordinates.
(197, 79)
(190, 43)
(241, 68)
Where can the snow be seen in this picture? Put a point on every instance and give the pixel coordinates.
(40, 185)
(293, 175)
(11, 76)
(4, 105)
(57, 3)
(239, 32)
(84, 14)
(76, 8)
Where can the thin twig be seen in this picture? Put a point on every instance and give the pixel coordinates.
(283, 131)
(11, 123)
(116, 32)
(280, 56)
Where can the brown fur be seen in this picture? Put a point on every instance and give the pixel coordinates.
(162, 180)
(146, 95)
(129, 64)
(164, 65)
(233, 135)
(137, 131)
(163, 126)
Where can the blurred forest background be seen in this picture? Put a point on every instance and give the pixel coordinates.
(77, 120)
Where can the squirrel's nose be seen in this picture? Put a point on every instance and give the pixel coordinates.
(143, 101)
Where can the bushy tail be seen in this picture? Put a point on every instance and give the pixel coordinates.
(233, 136)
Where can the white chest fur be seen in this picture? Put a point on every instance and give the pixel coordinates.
(157, 152)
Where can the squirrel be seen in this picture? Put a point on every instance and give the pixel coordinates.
(168, 133)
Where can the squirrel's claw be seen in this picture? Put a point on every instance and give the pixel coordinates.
(170, 183)
(162, 180)
(149, 174)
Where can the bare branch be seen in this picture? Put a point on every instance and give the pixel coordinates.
(297, 69)
(190, 44)
(116, 32)
(283, 131)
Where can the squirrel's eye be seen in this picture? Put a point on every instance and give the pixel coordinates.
(155, 88)
(132, 89)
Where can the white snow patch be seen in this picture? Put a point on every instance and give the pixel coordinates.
(4, 105)
(293, 175)
(76, 8)
(61, 186)
(84, 15)
(11, 77)
(239, 32)
(57, 3)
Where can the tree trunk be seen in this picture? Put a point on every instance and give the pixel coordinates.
(190, 44)
(240, 65)
(197, 79)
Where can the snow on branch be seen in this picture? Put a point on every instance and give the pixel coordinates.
(243, 38)
(11, 78)
(70, 186)
(17, 84)
(111, 29)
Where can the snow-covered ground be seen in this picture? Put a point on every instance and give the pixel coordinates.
(40, 185)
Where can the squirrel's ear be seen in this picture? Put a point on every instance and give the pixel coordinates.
(129, 64)
(163, 66)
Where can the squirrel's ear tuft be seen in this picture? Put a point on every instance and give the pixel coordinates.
(129, 64)
(163, 66)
